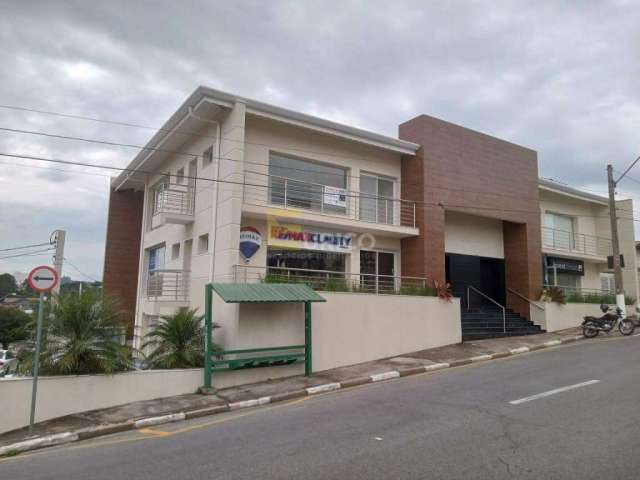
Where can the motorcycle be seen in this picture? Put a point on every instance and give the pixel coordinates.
(592, 326)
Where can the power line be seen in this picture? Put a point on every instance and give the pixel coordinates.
(56, 169)
(200, 135)
(24, 246)
(231, 182)
(29, 254)
(80, 271)
(245, 161)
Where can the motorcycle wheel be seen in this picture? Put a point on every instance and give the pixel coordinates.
(589, 331)
(626, 327)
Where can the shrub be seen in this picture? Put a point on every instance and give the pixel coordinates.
(177, 341)
(82, 334)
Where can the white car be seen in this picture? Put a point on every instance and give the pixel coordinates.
(5, 356)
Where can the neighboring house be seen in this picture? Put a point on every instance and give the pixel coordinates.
(23, 303)
(576, 240)
(303, 196)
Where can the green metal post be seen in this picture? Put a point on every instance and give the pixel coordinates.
(308, 367)
(36, 362)
(208, 312)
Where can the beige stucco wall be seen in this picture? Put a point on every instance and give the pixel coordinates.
(473, 235)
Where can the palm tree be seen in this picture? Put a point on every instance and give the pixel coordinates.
(177, 341)
(83, 334)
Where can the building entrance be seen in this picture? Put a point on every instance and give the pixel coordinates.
(484, 273)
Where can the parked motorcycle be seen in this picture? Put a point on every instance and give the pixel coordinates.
(592, 326)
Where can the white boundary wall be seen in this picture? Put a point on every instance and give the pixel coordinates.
(347, 329)
(556, 317)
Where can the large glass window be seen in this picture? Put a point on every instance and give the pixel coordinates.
(306, 259)
(301, 184)
(559, 231)
(376, 199)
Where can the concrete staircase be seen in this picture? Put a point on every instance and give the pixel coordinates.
(486, 322)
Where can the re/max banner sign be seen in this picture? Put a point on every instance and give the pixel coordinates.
(296, 236)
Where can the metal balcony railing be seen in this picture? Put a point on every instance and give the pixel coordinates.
(168, 285)
(576, 242)
(288, 193)
(173, 198)
(333, 281)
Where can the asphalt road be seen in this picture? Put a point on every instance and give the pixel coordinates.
(454, 424)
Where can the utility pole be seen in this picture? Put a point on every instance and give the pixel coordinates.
(615, 241)
(58, 238)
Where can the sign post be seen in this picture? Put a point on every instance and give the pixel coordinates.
(41, 279)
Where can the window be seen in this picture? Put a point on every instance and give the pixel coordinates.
(306, 259)
(180, 176)
(559, 231)
(207, 157)
(300, 184)
(156, 258)
(607, 282)
(376, 199)
(175, 251)
(203, 243)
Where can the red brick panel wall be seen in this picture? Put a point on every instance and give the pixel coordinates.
(122, 250)
(464, 170)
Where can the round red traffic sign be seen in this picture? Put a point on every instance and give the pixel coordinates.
(43, 278)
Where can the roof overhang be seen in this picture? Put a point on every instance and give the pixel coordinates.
(207, 103)
(560, 189)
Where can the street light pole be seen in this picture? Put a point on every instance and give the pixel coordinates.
(615, 241)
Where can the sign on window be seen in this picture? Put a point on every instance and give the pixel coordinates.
(335, 196)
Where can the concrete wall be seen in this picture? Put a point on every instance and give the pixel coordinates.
(347, 329)
(59, 396)
(472, 235)
(355, 328)
(559, 317)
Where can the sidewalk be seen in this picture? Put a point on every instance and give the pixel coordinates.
(153, 412)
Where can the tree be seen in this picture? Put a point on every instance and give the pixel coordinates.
(7, 284)
(82, 335)
(14, 326)
(177, 341)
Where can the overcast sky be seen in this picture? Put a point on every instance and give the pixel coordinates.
(561, 80)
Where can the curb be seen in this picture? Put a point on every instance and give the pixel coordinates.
(101, 430)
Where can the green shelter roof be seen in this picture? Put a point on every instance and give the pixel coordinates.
(265, 292)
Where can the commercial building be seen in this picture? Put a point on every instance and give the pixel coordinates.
(236, 190)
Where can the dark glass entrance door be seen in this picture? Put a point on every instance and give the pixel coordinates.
(377, 270)
(485, 274)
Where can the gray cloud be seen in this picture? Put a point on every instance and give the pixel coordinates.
(556, 77)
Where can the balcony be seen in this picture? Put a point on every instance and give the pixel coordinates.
(575, 244)
(172, 203)
(341, 205)
(333, 281)
(168, 286)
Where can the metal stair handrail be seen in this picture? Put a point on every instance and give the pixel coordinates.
(504, 310)
(528, 300)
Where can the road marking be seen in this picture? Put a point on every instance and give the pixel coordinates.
(159, 433)
(553, 392)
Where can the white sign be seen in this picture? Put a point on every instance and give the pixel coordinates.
(335, 196)
(43, 278)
